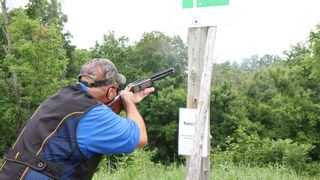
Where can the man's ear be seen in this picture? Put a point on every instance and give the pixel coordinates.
(111, 94)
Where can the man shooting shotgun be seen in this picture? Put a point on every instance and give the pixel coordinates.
(137, 86)
(68, 133)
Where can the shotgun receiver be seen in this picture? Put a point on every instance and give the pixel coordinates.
(136, 86)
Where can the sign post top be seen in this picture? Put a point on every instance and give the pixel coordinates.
(199, 13)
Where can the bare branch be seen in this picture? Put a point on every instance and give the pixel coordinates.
(6, 28)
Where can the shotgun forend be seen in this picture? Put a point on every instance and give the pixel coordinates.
(139, 85)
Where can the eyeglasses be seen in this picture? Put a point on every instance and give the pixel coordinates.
(95, 83)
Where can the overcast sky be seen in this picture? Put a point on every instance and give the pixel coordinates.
(258, 26)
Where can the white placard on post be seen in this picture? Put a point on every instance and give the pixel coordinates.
(187, 119)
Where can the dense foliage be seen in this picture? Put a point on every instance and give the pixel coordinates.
(264, 110)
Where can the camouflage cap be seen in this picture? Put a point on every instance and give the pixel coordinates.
(109, 72)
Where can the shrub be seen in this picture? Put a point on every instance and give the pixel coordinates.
(250, 149)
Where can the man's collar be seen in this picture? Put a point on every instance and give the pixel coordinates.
(83, 87)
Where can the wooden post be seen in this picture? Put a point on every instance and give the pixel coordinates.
(200, 61)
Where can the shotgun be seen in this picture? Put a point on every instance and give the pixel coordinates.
(136, 86)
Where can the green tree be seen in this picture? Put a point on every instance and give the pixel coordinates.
(78, 58)
(117, 50)
(156, 52)
(39, 62)
(48, 12)
(161, 115)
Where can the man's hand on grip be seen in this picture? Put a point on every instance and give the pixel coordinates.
(128, 96)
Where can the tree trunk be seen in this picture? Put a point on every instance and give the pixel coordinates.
(14, 86)
(4, 9)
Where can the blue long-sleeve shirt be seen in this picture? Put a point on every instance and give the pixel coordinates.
(102, 131)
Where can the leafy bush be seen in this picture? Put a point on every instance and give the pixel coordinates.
(250, 149)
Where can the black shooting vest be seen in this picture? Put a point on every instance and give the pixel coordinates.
(47, 147)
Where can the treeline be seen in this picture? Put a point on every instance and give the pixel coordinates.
(264, 110)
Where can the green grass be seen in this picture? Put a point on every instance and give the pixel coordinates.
(155, 172)
(272, 172)
(138, 166)
(218, 172)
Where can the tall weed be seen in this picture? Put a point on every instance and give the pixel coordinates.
(138, 165)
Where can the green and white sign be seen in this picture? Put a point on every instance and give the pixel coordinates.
(204, 3)
(199, 13)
